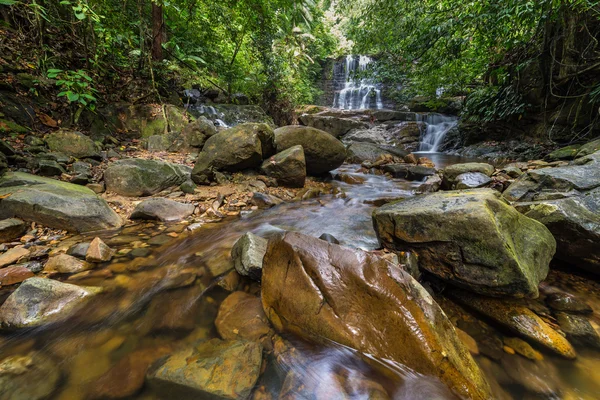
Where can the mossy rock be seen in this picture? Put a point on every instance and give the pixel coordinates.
(589, 148)
(11, 127)
(565, 153)
(72, 143)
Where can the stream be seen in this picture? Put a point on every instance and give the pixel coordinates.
(103, 352)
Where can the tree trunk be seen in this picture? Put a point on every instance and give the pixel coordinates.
(158, 31)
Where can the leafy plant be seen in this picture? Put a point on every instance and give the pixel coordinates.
(76, 87)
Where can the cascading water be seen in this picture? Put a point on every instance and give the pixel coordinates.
(436, 128)
(358, 94)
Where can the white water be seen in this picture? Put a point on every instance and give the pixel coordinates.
(436, 128)
(357, 94)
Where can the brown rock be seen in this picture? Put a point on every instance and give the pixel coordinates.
(13, 255)
(241, 316)
(11, 229)
(98, 251)
(66, 264)
(311, 287)
(14, 274)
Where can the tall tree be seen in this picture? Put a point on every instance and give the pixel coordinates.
(159, 35)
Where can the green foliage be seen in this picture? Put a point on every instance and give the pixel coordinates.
(493, 103)
(76, 87)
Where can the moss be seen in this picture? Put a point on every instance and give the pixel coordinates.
(9, 127)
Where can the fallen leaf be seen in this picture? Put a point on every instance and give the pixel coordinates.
(47, 120)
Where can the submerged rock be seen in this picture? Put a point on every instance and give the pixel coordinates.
(519, 319)
(288, 167)
(241, 316)
(66, 264)
(311, 287)
(138, 177)
(568, 303)
(223, 369)
(41, 301)
(247, 255)
(323, 152)
(162, 210)
(54, 203)
(471, 239)
(579, 330)
(32, 376)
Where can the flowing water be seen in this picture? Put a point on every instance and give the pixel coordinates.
(106, 347)
(437, 127)
(358, 92)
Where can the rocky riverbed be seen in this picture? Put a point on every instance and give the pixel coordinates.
(266, 263)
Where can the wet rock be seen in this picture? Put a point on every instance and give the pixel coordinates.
(567, 303)
(329, 238)
(322, 151)
(241, 316)
(288, 167)
(32, 376)
(162, 210)
(232, 150)
(41, 301)
(361, 152)
(98, 252)
(72, 143)
(262, 200)
(409, 172)
(472, 180)
(578, 330)
(176, 310)
(12, 256)
(432, 184)
(11, 228)
(139, 177)
(468, 341)
(15, 274)
(518, 319)
(79, 250)
(54, 204)
(523, 348)
(471, 239)
(224, 369)
(311, 287)
(66, 264)
(333, 125)
(538, 377)
(248, 253)
(452, 172)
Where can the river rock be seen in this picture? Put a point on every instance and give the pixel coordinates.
(263, 200)
(223, 369)
(361, 152)
(472, 180)
(15, 274)
(162, 210)
(138, 177)
(12, 256)
(452, 172)
(79, 250)
(41, 301)
(11, 228)
(539, 377)
(248, 254)
(578, 330)
(322, 151)
(589, 148)
(311, 287)
(568, 303)
(66, 264)
(409, 172)
(471, 239)
(197, 133)
(98, 252)
(517, 318)
(72, 143)
(241, 316)
(333, 125)
(232, 150)
(288, 167)
(54, 204)
(32, 376)
(564, 153)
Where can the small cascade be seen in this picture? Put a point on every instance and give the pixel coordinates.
(209, 112)
(436, 128)
(357, 94)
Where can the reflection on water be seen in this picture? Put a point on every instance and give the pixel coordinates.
(151, 308)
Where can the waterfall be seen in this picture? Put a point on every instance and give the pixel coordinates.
(358, 93)
(436, 128)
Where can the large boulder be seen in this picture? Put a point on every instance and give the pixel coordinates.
(162, 210)
(196, 133)
(333, 125)
(219, 369)
(54, 203)
(288, 167)
(361, 151)
(471, 239)
(322, 151)
(40, 301)
(138, 177)
(311, 287)
(232, 150)
(72, 143)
